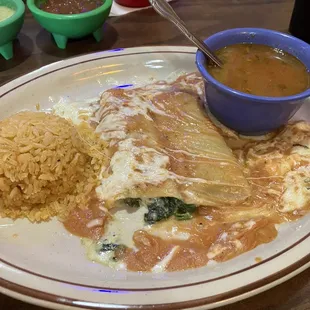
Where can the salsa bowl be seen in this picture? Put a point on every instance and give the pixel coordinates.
(10, 27)
(71, 26)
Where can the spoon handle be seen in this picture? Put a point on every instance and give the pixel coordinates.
(165, 10)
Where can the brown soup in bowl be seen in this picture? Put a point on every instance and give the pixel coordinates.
(260, 70)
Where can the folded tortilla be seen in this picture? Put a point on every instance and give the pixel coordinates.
(162, 144)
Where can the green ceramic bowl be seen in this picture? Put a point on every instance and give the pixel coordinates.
(10, 27)
(65, 26)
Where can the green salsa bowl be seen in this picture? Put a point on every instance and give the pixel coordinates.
(71, 26)
(10, 27)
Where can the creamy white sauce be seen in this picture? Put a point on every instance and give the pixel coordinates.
(237, 243)
(297, 190)
(105, 258)
(126, 220)
(250, 224)
(223, 236)
(77, 112)
(215, 250)
(236, 225)
(227, 240)
(111, 117)
(161, 266)
(303, 150)
(151, 169)
(95, 223)
(167, 232)
(119, 230)
(198, 87)
(127, 171)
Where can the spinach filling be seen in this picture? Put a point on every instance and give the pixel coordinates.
(105, 247)
(118, 250)
(163, 208)
(158, 209)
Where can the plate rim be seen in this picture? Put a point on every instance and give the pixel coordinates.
(267, 282)
(213, 301)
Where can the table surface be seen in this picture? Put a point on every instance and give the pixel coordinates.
(35, 48)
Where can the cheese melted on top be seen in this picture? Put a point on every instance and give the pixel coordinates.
(277, 166)
(127, 171)
(139, 125)
(77, 112)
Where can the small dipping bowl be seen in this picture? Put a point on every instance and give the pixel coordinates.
(71, 26)
(11, 26)
(245, 113)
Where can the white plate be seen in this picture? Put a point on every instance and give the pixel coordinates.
(46, 266)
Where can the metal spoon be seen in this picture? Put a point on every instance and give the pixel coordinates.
(165, 10)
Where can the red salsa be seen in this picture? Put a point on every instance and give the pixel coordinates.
(70, 6)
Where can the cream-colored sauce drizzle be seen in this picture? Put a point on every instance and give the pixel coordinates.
(125, 171)
(275, 166)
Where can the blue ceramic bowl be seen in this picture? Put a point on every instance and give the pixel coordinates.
(249, 114)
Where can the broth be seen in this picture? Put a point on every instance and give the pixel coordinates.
(260, 70)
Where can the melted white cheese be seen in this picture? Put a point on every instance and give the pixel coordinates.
(126, 220)
(105, 258)
(95, 223)
(223, 236)
(77, 112)
(237, 243)
(161, 266)
(198, 87)
(111, 117)
(127, 171)
(303, 149)
(297, 190)
(167, 232)
(216, 250)
(250, 224)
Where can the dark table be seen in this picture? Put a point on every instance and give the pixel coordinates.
(35, 48)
